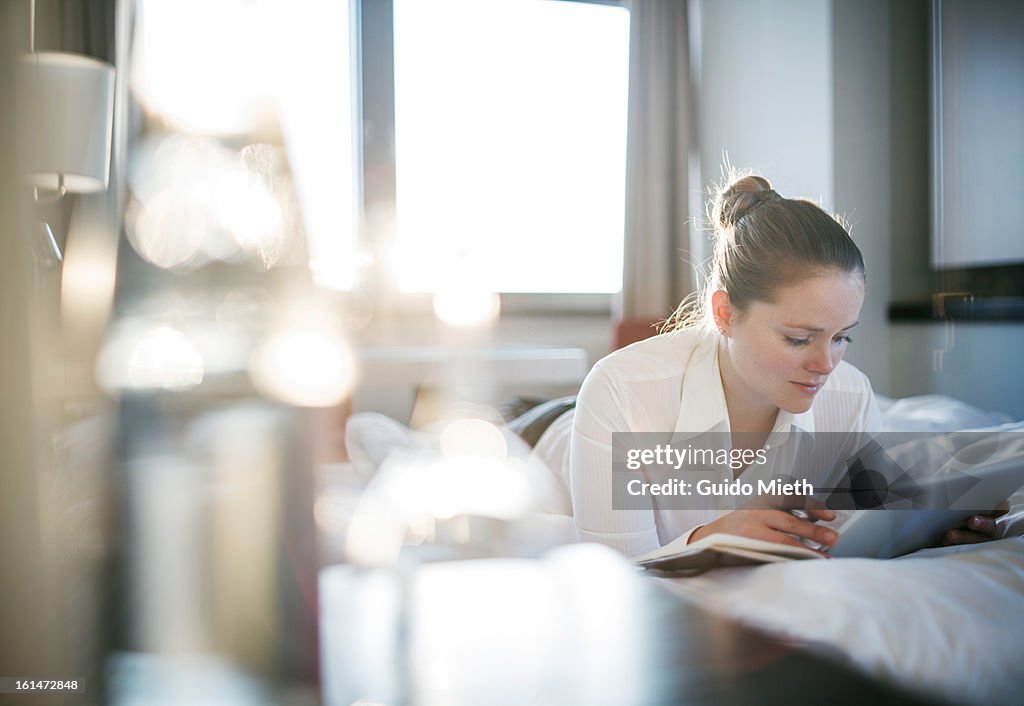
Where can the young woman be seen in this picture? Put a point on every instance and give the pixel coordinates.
(760, 352)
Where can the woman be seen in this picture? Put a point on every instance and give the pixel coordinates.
(760, 352)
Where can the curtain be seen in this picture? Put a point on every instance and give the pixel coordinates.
(656, 270)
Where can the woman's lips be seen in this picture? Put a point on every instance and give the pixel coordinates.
(808, 388)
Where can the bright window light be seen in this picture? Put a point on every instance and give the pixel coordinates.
(510, 132)
(252, 67)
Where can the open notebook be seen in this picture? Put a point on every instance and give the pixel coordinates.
(718, 550)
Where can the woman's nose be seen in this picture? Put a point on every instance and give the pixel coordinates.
(823, 360)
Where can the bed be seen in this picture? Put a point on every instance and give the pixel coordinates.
(947, 622)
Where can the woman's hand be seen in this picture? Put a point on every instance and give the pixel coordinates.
(978, 528)
(773, 526)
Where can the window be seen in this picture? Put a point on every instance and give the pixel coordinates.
(494, 132)
(510, 144)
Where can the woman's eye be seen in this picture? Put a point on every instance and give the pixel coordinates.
(805, 341)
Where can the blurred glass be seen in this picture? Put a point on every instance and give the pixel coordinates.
(304, 360)
(195, 201)
(160, 358)
(274, 70)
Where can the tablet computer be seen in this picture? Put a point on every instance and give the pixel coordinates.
(945, 501)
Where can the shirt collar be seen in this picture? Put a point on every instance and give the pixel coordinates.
(702, 399)
(787, 421)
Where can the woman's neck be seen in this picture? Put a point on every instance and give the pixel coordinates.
(747, 412)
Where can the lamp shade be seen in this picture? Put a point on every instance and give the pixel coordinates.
(66, 107)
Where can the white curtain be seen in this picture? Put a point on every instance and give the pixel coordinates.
(656, 269)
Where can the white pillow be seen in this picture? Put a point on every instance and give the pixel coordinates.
(552, 450)
(371, 437)
(935, 413)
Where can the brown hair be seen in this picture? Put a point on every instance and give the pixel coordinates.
(762, 243)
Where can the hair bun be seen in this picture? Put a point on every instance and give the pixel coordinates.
(739, 197)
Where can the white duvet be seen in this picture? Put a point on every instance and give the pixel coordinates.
(949, 621)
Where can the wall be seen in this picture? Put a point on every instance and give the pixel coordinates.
(862, 154)
(908, 170)
(764, 97)
(800, 91)
(975, 362)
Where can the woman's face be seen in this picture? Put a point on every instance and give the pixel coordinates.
(779, 354)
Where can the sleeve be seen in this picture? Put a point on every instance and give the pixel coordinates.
(603, 407)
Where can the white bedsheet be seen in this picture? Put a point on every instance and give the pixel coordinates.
(948, 620)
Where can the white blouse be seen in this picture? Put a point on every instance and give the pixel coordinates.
(672, 383)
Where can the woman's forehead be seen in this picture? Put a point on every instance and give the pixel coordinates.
(828, 301)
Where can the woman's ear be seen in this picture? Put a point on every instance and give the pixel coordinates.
(721, 311)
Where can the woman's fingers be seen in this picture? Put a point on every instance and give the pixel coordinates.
(773, 526)
(983, 524)
(783, 538)
(784, 522)
(821, 514)
(978, 528)
(960, 536)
